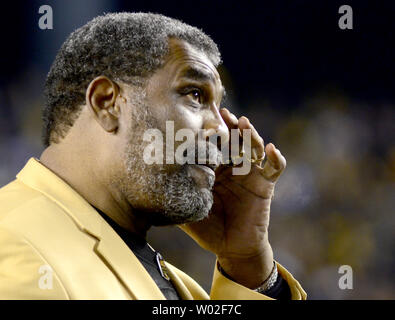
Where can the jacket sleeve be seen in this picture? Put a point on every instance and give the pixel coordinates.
(226, 289)
(24, 273)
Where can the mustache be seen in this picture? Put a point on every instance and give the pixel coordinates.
(202, 152)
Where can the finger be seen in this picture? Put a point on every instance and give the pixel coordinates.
(233, 124)
(229, 118)
(275, 163)
(257, 144)
(241, 185)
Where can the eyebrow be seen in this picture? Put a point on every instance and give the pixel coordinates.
(197, 74)
(201, 75)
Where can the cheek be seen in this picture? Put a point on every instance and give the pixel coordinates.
(172, 115)
(185, 121)
(185, 118)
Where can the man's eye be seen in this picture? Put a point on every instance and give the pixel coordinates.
(195, 95)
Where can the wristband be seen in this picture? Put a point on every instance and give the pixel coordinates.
(266, 285)
(270, 281)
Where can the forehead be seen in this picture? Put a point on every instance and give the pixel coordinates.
(184, 60)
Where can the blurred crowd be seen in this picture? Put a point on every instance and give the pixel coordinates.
(333, 205)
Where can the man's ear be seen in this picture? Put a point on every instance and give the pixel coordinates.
(101, 97)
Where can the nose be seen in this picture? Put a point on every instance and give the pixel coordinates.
(215, 126)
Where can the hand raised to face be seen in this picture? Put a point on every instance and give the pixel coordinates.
(236, 229)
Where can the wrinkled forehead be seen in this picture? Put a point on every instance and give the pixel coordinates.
(185, 60)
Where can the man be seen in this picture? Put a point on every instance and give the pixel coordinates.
(73, 224)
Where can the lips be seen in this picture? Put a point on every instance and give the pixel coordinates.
(207, 168)
(208, 172)
(205, 155)
(209, 165)
(203, 176)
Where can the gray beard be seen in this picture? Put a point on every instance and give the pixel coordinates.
(173, 197)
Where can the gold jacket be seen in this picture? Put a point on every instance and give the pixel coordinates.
(54, 245)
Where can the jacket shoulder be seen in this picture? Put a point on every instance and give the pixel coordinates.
(15, 195)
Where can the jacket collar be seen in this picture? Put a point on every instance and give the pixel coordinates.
(110, 247)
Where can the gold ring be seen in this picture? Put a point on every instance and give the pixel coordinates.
(258, 161)
(232, 160)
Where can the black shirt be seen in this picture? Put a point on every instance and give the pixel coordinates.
(147, 256)
(150, 259)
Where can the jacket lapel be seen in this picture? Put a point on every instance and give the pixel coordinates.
(182, 290)
(126, 266)
(110, 247)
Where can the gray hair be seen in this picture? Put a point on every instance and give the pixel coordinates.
(125, 46)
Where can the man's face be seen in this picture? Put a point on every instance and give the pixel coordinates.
(188, 92)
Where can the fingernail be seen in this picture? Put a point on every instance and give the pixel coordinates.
(233, 117)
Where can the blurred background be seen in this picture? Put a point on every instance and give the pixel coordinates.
(324, 96)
